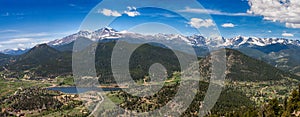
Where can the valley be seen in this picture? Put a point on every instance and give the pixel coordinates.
(255, 75)
(254, 81)
(156, 58)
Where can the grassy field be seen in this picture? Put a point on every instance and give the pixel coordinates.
(74, 112)
(262, 92)
(65, 81)
(8, 87)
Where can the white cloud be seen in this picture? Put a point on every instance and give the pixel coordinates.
(108, 12)
(287, 34)
(38, 42)
(42, 34)
(228, 25)
(285, 11)
(212, 12)
(269, 31)
(17, 40)
(8, 31)
(131, 8)
(21, 45)
(132, 12)
(198, 23)
(22, 41)
(29, 35)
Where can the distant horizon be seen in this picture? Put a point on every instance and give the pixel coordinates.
(27, 23)
(20, 48)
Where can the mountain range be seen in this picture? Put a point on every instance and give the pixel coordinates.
(195, 40)
(15, 51)
(278, 52)
(44, 61)
(247, 78)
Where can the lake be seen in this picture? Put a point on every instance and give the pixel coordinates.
(75, 90)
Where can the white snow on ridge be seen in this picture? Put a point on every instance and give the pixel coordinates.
(196, 40)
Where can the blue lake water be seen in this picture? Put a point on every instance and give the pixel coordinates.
(75, 90)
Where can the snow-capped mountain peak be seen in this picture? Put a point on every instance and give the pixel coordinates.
(108, 33)
(195, 40)
(239, 41)
(14, 51)
(102, 33)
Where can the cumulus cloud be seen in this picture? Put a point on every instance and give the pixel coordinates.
(108, 12)
(132, 12)
(198, 23)
(228, 25)
(285, 11)
(212, 12)
(131, 8)
(285, 34)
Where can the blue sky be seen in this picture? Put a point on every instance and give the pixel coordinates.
(26, 23)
